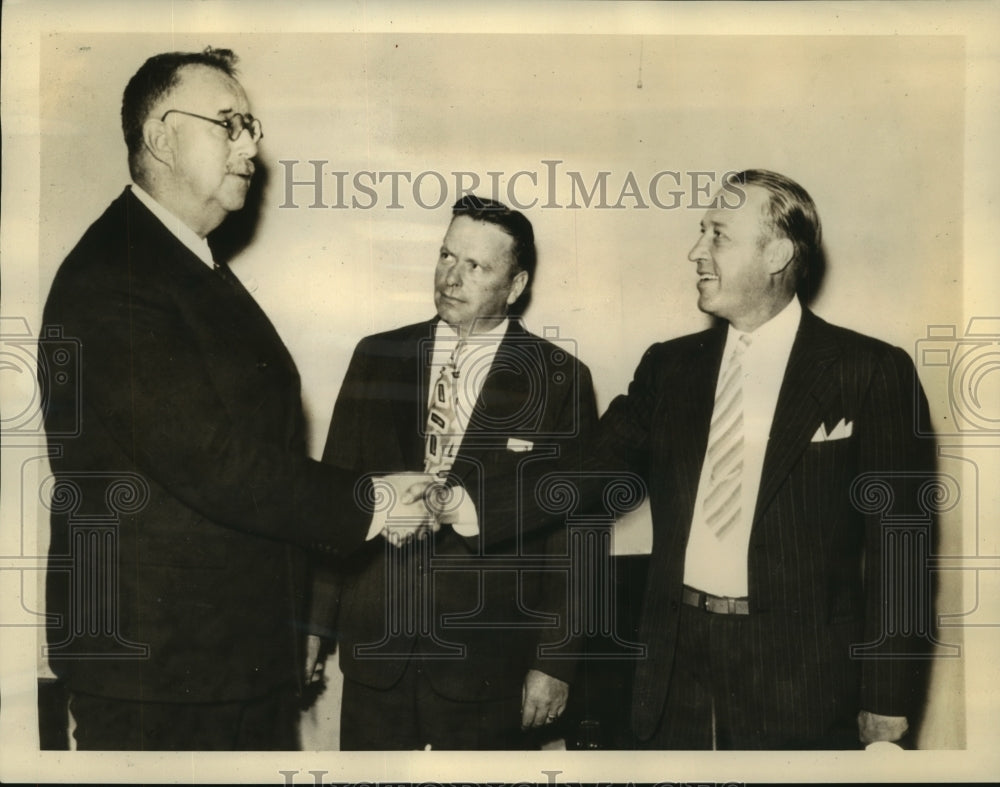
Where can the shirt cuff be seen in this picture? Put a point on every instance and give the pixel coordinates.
(378, 524)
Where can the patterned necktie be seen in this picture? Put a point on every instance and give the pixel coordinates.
(443, 436)
(725, 448)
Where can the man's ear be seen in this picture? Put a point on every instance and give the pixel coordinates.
(517, 285)
(779, 254)
(158, 140)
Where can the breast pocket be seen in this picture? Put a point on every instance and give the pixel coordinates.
(825, 449)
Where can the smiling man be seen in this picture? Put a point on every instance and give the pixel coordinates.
(171, 578)
(440, 642)
(764, 571)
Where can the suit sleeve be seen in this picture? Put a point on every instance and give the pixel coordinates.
(343, 448)
(622, 439)
(146, 384)
(618, 444)
(897, 583)
(557, 585)
(344, 441)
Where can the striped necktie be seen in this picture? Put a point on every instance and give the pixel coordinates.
(724, 460)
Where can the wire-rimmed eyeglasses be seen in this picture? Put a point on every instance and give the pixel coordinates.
(234, 124)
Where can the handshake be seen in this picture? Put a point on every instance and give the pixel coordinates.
(411, 505)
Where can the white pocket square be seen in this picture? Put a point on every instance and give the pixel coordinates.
(514, 444)
(843, 429)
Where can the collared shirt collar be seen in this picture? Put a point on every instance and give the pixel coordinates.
(781, 326)
(444, 331)
(197, 245)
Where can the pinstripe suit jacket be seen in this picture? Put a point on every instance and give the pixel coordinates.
(818, 581)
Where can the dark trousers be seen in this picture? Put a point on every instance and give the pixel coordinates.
(269, 723)
(412, 715)
(687, 721)
(713, 704)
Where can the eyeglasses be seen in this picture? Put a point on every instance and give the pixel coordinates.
(234, 125)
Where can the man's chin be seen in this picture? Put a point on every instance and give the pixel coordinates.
(235, 201)
(451, 319)
(447, 311)
(236, 191)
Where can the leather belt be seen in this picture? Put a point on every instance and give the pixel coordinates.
(718, 605)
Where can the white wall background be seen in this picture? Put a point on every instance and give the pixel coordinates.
(872, 125)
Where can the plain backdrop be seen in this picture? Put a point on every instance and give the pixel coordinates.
(872, 126)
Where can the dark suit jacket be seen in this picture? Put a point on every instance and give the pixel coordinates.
(486, 614)
(182, 471)
(816, 560)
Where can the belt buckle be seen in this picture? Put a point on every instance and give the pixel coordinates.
(722, 605)
(716, 605)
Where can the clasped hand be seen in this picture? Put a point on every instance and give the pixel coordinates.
(415, 504)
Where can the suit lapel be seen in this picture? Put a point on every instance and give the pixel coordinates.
(503, 405)
(239, 343)
(215, 293)
(806, 391)
(411, 386)
(503, 402)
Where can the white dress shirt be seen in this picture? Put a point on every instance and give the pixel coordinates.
(719, 566)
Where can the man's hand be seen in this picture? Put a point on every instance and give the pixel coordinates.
(543, 699)
(400, 497)
(445, 502)
(314, 665)
(873, 728)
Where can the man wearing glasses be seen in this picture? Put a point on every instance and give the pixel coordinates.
(174, 625)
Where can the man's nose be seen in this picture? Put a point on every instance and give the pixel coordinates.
(452, 276)
(245, 145)
(699, 251)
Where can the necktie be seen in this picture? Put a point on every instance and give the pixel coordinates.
(724, 460)
(443, 435)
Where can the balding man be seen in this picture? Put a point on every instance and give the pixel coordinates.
(177, 622)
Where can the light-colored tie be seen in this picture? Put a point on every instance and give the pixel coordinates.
(724, 460)
(443, 434)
